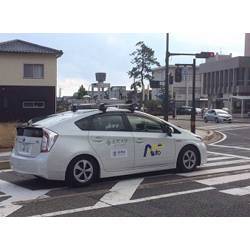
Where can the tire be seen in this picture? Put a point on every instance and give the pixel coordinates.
(205, 120)
(217, 120)
(188, 159)
(81, 171)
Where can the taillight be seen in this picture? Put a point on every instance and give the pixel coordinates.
(48, 140)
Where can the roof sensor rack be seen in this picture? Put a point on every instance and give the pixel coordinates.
(131, 107)
(103, 107)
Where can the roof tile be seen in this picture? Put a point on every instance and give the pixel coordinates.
(20, 46)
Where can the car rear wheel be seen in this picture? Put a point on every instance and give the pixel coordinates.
(81, 171)
(188, 159)
(205, 120)
(217, 120)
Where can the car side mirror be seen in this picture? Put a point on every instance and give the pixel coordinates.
(169, 131)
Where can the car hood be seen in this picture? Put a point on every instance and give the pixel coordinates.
(189, 135)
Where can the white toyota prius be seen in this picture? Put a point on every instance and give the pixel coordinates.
(84, 145)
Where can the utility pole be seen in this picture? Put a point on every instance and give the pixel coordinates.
(193, 113)
(166, 101)
(186, 84)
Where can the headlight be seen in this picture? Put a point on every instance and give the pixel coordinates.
(198, 137)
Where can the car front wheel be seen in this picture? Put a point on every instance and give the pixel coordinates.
(81, 171)
(188, 159)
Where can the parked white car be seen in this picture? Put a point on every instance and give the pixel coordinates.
(217, 115)
(80, 146)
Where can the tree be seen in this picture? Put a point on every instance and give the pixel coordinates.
(80, 93)
(142, 70)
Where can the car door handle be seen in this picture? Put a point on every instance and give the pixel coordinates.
(97, 139)
(139, 140)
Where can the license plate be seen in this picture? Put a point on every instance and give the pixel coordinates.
(26, 148)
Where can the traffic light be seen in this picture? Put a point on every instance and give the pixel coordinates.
(171, 79)
(178, 74)
(204, 54)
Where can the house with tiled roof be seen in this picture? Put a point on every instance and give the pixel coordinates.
(28, 80)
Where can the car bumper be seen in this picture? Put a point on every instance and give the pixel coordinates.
(203, 152)
(225, 119)
(30, 165)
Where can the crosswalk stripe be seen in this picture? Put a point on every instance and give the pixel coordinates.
(222, 163)
(99, 204)
(232, 147)
(215, 171)
(121, 191)
(3, 195)
(219, 158)
(237, 191)
(6, 170)
(224, 179)
(224, 154)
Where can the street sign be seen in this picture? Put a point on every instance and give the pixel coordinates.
(154, 84)
(178, 74)
(185, 73)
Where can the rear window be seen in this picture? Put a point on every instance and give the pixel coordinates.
(30, 132)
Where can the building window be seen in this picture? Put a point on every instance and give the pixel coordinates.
(33, 105)
(33, 71)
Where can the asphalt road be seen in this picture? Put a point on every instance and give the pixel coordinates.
(220, 188)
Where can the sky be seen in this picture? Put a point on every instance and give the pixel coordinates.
(87, 53)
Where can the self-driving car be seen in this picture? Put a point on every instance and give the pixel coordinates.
(81, 146)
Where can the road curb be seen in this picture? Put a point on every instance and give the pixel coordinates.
(211, 134)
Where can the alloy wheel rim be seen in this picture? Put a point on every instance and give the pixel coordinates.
(189, 159)
(83, 171)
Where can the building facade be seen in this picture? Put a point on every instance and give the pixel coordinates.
(118, 92)
(28, 80)
(226, 81)
(182, 91)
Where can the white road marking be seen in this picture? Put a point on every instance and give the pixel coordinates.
(232, 129)
(215, 171)
(224, 179)
(3, 195)
(235, 156)
(221, 126)
(237, 191)
(232, 147)
(17, 193)
(223, 163)
(224, 137)
(6, 170)
(219, 158)
(102, 205)
(121, 191)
